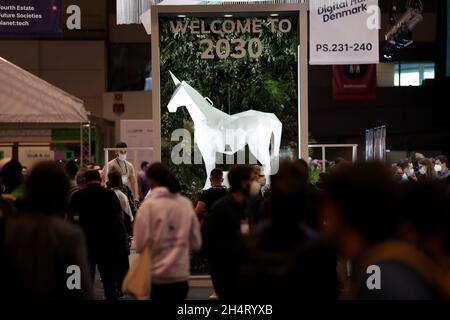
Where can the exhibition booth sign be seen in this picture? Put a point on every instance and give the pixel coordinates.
(30, 18)
(230, 87)
(344, 32)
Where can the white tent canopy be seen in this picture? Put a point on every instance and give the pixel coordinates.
(26, 98)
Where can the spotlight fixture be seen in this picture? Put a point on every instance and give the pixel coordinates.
(393, 15)
(402, 39)
(389, 51)
(415, 4)
(400, 34)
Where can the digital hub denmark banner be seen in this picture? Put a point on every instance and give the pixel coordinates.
(344, 32)
(30, 17)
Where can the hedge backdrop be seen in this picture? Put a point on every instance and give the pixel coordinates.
(267, 84)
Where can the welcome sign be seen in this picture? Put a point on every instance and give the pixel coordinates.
(239, 46)
(30, 17)
(344, 32)
(231, 61)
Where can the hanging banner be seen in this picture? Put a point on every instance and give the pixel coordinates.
(344, 32)
(354, 82)
(30, 17)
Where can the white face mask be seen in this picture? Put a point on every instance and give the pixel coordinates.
(438, 168)
(122, 157)
(423, 171)
(255, 187)
(411, 171)
(404, 176)
(263, 181)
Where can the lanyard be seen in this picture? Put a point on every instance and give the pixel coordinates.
(126, 167)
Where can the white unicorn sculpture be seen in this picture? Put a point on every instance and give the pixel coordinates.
(216, 131)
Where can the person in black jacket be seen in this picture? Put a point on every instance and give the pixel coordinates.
(99, 213)
(362, 214)
(39, 251)
(124, 226)
(226, 225)
(284, 257)
(211, 195)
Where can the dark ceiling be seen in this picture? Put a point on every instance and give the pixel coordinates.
(429, 5)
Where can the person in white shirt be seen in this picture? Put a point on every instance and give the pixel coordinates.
(126, 168)
(168, 220)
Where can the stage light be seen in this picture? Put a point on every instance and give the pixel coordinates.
(393, 15)
(388, 55)
(389, 51)
(402, 39)
(415, 4)
(400, 35)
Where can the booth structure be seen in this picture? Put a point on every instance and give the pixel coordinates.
(26, 98)
(35, 116)
(243, 12)
(202, 67)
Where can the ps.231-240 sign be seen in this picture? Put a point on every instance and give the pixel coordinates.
(236, 48)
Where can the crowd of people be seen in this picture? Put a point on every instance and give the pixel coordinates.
(263, 237)
(419, 167)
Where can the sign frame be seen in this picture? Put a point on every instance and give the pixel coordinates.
(302, 81)
(332, 45)
(35, 29)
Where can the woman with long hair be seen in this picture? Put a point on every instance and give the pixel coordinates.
(167, 221)
(426, 169)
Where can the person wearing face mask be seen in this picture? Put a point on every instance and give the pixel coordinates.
(260, 182)
(407, 171)
(256, 198)
(226, 227)
(397, 172)
(283, 253)
(411, 172)
(426, 170)
(442, 167)
(126, 168)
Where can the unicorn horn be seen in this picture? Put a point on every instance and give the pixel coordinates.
(175, 80)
